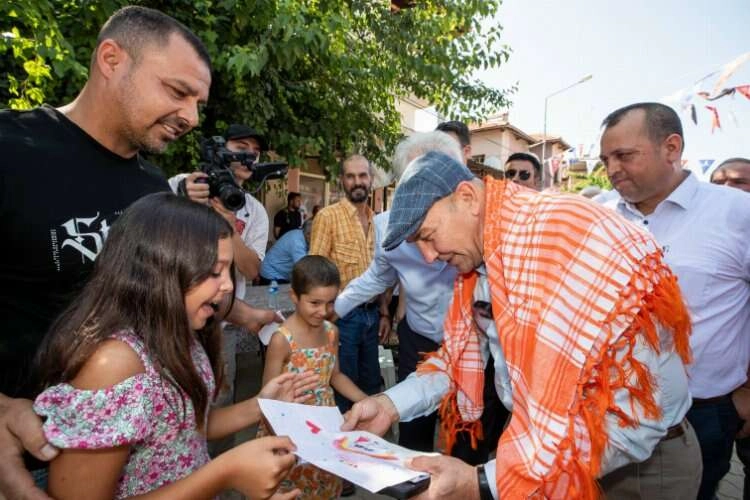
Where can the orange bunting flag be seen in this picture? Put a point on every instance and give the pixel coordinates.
(715, 123)
(744, 90)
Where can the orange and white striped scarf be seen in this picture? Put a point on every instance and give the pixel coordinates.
(571, 284)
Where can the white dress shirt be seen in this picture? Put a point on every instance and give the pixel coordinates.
(704, 230)
(420, 394)
(428, 287)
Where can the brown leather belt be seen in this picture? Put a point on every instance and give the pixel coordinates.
(675, 431)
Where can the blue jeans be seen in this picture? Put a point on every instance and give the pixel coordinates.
(715, 424)
(358, 351)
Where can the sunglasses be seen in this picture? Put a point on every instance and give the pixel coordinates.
(524, 175)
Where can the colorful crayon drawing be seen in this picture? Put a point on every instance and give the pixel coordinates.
(364, 446)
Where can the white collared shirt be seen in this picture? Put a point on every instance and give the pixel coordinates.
(704, 231)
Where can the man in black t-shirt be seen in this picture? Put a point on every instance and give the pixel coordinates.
(288, 218)
(66, 175)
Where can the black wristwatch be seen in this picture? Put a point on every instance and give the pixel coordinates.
(485, 493)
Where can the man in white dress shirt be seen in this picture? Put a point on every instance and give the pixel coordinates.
(704, 232)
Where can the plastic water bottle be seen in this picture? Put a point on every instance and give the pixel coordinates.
(273, 295)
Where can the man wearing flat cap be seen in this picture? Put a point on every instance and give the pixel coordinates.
(587, 328)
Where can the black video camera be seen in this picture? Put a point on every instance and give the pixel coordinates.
(221, 182)
(216, 164)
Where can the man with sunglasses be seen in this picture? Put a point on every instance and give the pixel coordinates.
(703, 230)
(588, 333)
(523, 169)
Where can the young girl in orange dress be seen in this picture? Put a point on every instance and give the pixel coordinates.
(307, 342)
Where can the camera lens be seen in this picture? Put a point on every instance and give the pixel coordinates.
(232, 197)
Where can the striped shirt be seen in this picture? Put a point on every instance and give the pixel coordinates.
(338, 235)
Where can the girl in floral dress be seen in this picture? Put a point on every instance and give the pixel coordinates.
(306, 341)
(131, 367)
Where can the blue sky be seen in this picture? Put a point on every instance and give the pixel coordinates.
(636, 51)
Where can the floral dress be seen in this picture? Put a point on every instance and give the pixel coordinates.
(144, 412)
(313, 482)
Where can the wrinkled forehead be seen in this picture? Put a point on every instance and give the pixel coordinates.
(178, 60)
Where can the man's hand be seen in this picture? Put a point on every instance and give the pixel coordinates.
(741, 400)
(449, 477)
(375, 414)
(217, 205)
(258, 318)
(20, 429)
(384, 329)
(196, 191)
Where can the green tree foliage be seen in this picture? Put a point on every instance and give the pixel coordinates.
(598, 177)
(317, 76)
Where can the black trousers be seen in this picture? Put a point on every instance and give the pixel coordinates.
(715, 422)
(493, 422)
(419, 434)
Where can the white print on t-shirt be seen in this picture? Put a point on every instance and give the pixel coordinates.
(83, 235)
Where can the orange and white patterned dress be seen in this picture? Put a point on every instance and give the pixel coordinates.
(313, 482)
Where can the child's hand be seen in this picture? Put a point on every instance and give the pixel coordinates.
(290, 387)
(256, 468)
(289, 495)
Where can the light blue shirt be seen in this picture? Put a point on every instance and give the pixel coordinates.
(704, 231)
(282, 256)
(428, 287)
(420, 394)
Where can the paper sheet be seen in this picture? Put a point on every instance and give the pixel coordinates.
(361, 457)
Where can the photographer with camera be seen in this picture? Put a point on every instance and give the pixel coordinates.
(245, 213)
(227, 163)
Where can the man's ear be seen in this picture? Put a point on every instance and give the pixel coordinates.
(467, 195)
(109, 56)
(673, 145)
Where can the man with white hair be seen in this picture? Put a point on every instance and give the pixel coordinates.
(427, 286)
(587, 329)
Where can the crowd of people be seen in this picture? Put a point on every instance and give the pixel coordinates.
(566, 347)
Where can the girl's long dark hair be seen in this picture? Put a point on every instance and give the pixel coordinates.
(157, 250)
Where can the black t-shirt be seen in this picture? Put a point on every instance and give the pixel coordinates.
(287, 220)
(60, 192)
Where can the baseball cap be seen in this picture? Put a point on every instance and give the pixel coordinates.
(239, 131)
(426, 180)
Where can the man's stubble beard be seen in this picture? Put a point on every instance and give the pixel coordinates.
(137, 139)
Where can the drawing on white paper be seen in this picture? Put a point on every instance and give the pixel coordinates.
(360, 457)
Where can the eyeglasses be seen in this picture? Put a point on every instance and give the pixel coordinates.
(522, 174)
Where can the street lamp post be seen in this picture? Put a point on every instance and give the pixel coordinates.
(544, 131)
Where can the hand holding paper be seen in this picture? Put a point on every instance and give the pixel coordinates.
(361, 457)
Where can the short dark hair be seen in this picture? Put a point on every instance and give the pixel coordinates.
(526, 157)
(133, 27)
(313, 271)
(733, 160)
(458, 128)
(661, 120)
(291, 196)
(726, 162)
